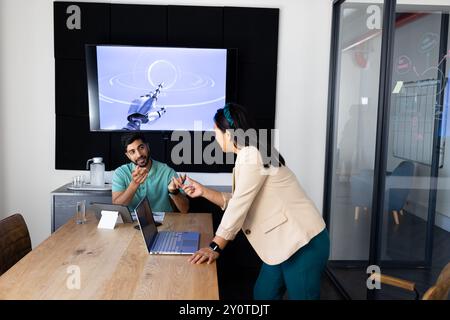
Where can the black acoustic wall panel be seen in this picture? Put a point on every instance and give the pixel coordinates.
(198, 145)
(189, 148)
(93, 22)
(156, 144)
(265, 123)
(254, 31)
(75, 144)
(232, 75)
(70, 83)
(257, 89)
(138, 24)
(195, 26)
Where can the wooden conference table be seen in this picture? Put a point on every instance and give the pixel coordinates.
(112, 264)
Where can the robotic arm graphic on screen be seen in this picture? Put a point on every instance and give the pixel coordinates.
(144, 110)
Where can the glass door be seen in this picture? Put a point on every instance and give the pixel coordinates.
(415, 192)
(386, 196)
(353, 113)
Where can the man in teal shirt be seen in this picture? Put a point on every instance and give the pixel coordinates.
(146, 177)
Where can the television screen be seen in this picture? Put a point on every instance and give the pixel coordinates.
(154, 88)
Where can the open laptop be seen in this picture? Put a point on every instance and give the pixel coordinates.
(164, 242)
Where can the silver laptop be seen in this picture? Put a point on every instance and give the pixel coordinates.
(163, 242)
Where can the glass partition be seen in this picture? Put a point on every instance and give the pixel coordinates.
(387, 188)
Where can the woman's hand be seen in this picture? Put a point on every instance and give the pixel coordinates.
(193, 189)
(207, 255)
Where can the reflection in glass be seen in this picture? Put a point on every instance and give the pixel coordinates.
(357, 79)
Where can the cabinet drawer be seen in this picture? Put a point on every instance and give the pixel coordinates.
(64, 207)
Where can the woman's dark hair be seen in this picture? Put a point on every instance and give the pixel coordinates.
(129, 138)
(234, 117)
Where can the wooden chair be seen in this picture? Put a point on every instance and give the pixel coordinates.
(437, 292)
(395, 198)
(15, 241)
(394, 213)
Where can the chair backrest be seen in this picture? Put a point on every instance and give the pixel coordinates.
(15, 241)
(442, 287)
(404, 169)
(397, 197)
(361, 188)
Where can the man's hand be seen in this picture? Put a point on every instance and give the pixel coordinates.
(139, 175)
(207, 255)
(176, 183)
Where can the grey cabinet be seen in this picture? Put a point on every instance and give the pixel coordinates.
(63, 203)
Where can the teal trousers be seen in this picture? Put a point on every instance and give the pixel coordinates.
(300, 275)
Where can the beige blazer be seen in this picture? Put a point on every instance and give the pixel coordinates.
(270, 207)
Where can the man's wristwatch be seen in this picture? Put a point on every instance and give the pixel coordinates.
(177, 191)
(215, 247)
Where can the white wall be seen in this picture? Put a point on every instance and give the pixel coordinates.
(27, 112)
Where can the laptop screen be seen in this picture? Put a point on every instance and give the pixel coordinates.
(148, 227)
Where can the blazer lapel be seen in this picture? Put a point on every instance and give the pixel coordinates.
(232, 183)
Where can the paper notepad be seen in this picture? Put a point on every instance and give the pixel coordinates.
(398, 87)
(109, 219)
(158, 216)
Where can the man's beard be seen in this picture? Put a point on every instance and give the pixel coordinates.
(142, 162)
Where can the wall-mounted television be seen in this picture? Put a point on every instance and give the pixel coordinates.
(155, 88)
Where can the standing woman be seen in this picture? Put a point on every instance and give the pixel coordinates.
(268, 204)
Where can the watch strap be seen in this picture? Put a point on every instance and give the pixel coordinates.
(177, 191)
(215, 247)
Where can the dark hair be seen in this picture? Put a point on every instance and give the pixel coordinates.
(234, 117)
(129, 138)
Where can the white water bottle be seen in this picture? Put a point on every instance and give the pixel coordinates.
(97, 171)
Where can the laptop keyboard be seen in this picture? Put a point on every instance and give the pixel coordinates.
(167, 242)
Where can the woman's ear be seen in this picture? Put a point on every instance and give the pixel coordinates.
(228, 139)
(228, 135)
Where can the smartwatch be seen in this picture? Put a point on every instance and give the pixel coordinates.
(215, 247)
(177, 191)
